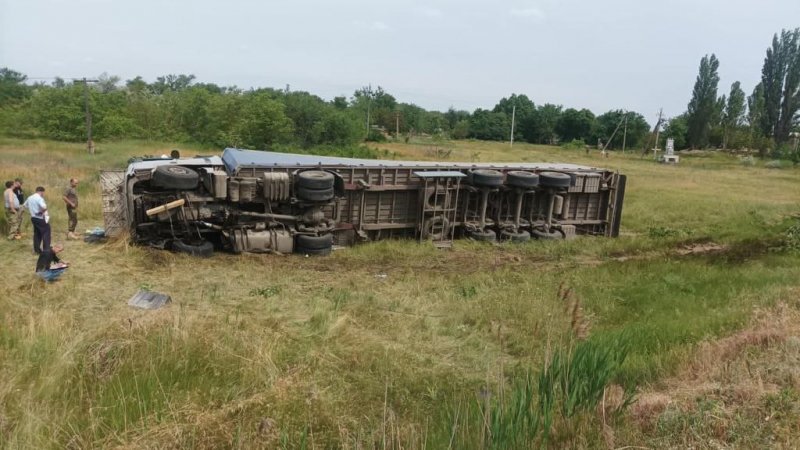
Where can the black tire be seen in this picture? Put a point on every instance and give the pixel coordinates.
(427, 228)
(314, 242)
(548, 236)
(522, 179)
(483, 235)
(204, 249)
(175, 177)
(315, 179)
(486, 178)
(555, 180)
(314, 195)
(313, 251)
(522, 236)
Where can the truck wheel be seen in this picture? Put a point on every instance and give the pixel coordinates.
(555, 179)
(203, 249)
(483, 235)
(522, 236)
(486, 178)
(548, 235)
(314, 195)
(174, 177)
(315, 179)
(522, 179)
(314, 242)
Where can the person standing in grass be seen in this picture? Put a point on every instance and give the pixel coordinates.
(12, 210)
(40, 220)
(71, 199)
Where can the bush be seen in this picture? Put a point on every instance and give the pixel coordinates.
(376, 136)
(774, 164)
(747, 161)
(575, 144)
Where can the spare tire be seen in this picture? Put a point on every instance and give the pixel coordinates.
(522, 179)
(204, 249)
(314, 242)
(486, 178)
(175, 177)
(314, 195)
(555, 179)
(432, 222)
(315, 179)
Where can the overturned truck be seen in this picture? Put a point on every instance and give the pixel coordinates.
(256, 201)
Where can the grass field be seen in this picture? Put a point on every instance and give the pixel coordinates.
(398, 345)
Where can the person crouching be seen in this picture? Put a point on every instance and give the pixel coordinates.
(49, 266)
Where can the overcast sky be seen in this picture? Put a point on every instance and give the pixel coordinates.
(630, 54)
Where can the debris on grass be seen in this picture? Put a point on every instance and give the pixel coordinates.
(146, 299)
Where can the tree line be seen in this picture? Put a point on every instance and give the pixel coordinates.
(180, 108)
(766, 120)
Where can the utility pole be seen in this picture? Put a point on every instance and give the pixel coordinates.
(89, 142)
(625, 134)
(513, 117)
(397, 124)
(369, 103)
(658, 130)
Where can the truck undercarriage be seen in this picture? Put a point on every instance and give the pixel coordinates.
(253, 201)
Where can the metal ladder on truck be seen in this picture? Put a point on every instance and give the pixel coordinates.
(438, 204)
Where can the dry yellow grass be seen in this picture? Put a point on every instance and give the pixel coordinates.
(376, 343)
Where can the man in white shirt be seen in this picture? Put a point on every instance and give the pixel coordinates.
(39, 218)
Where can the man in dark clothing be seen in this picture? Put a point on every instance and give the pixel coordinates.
(70, 197)
(18, 190)
(48, 266)
(21, 198)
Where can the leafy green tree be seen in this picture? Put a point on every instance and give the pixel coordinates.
(58, 113)
(12, 87)
(780, 81)
(172, 83)
(524, 126)
(703, 103)
(544, 123)
(574, 124)
(489, 126)
(733, 115)
(262, 121)
(677, 128)
(637, 128)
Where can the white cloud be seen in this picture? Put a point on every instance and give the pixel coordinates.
(531, 12)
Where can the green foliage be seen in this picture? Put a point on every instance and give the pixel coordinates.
(266, 292)
(733, 115)
(574, 124)
(780, 81)
(489, 126)
(606, 123)
(678, 128)
(704, 103)
(575, 144)
(12, 87)
(375, 136)
(572, 382)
